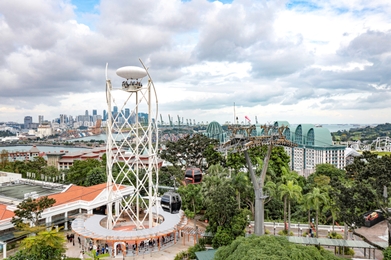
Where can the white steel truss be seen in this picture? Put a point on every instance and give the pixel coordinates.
(132, 146)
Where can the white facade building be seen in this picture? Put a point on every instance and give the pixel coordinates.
(315, 146)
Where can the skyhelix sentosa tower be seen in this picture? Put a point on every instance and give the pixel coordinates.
(134, 214)
(132, 146)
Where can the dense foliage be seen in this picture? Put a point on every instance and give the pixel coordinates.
(367, 134)
(31, 210)
(42, 246)
(270, 248)
(191, 151)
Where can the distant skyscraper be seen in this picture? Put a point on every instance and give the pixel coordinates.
(94, 112)
(86, 113)
(71, 120)
(115, 113)
(28, 120)
(127, 114)
(40, 119)
(104, 115)
(62, 118)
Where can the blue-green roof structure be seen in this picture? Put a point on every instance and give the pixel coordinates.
(301, 133)
(281, 123)
(319, 136)
(215, 131)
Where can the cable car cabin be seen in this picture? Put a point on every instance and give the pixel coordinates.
(171, 202)
(193, 175)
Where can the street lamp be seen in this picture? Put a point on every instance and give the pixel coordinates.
(298, 228)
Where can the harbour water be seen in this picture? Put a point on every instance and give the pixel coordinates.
(45, 149)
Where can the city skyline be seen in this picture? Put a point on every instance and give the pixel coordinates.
(324, 62)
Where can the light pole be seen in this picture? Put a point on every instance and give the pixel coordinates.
(298, 229)
(274, 229)
(301, 231)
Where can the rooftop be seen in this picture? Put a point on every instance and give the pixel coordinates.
(17, 191)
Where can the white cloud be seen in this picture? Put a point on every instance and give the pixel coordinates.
(325, 61)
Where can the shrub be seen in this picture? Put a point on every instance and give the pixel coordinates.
(387, 253)
(284, 233)
(181, 255)
(335, 235)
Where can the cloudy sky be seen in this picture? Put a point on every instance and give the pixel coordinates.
(320, 61)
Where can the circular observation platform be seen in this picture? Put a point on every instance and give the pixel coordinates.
(89, 226)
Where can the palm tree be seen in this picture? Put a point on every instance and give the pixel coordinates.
(47, 244)
(240, 182)
(289, 192)
(316, 199)
(287, 176)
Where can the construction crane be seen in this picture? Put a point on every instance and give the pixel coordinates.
(161, 120)
(170, 119)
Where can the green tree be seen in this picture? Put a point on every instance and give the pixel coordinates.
(190, 151)
(31, 210)
(4, 159)
(45, 245)
(222, 237)
(270, 248)
(191, 199)
(221, 205)
(241, 184)
(387, 253)
(95, 176)
(289, 192)
(78, 171)
(316, 199)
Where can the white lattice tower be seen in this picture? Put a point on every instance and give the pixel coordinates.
(132, 146)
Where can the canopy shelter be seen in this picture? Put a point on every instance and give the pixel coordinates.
(89, 226)
(336, 243)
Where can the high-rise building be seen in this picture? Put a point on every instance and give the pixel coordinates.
(94, 112)
(115, 113)
(315, 146)
(86, 114)
(127, 114)
(40, 119)
(71, 120)
(104, 115)
(28, 120)
(62, 118)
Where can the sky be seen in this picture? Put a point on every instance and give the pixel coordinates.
(320, 61)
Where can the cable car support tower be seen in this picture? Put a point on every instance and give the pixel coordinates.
(242, 140)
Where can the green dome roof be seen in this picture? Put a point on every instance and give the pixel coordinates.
(319, 136)
(214, 128)
(301, 133)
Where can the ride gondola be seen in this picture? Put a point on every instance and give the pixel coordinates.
(171, 202)
(193, 175)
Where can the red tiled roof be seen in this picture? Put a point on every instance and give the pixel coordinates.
(75, 193)
(4, 213)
